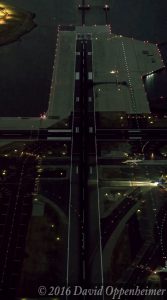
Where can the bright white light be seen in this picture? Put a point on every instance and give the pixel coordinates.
(155, 183)
(150, 75)
(113, 71)
(43, 116)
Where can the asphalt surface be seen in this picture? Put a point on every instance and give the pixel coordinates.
(83, 131)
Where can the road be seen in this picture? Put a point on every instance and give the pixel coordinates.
(83, 131)
(109, 224)
(15, 212)
(141, 134)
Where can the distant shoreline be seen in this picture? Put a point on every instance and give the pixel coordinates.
(13, 32)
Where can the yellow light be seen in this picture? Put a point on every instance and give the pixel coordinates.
(152, 155)
(58, 238)
(2, 21)
(154, 183)
(9, 11)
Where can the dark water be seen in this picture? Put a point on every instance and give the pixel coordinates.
(156, 88)
(26, 65)
(141, 19)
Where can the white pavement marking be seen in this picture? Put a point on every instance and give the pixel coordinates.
(83, 217)
(135, 137)
(98, 194)
(90, 75)
(77, 76)
(60, 130)
(83, 265)
(90, 170)
(83, 240)
(59, 138)
(70, 192)
(77, 170)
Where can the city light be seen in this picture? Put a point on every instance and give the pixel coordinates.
(5, 14)
(106, 6)
(4, 172)
(113, 71)
(154, 183)
(143, 183)
(152, 156)
(43, 116)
